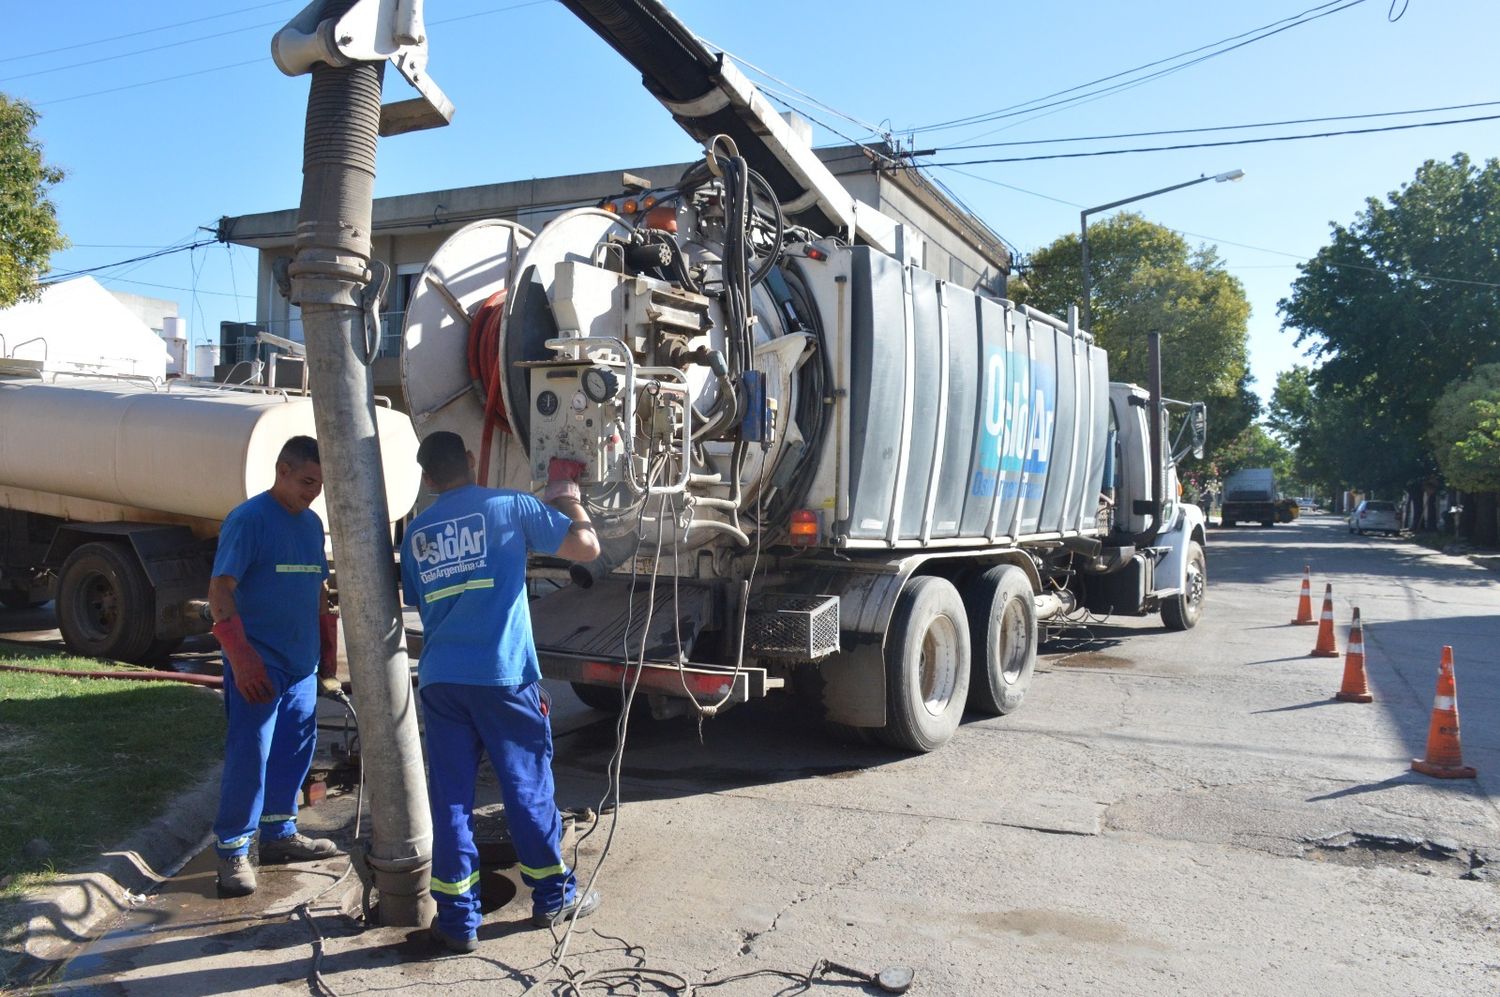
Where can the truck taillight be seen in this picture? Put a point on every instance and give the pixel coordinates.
(661, 216)
(804, 528)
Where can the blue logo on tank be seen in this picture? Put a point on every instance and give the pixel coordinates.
(1020, 408)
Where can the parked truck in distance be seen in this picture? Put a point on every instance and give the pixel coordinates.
(112, 492)
(1250, 496)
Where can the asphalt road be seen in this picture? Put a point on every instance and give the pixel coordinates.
(1168, 814)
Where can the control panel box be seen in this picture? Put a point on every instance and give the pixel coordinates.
(577, 413)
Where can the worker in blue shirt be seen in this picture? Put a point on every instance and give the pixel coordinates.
(269, 602)
(463, 565)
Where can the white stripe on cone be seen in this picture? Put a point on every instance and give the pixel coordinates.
(1443, 703)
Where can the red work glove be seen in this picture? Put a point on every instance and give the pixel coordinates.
(328, 654)
(562, 479)
(245, 666)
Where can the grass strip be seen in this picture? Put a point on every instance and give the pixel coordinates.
(87, 761)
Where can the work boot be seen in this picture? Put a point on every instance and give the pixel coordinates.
(584, 903)
(443, 939)
(236, 876)
(297, 847)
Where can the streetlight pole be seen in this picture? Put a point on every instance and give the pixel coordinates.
(1083, 228)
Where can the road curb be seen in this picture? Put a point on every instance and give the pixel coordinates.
(65, 913)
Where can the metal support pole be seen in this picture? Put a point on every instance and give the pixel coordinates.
(330, 274)
(1083, 242)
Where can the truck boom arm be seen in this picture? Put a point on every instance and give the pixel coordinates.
(708, 95)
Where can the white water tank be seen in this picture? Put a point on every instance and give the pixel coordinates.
(174, 334)
(205, 359)
(187, 451)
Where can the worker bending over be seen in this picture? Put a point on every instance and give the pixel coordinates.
(269, 602)
(463, 565)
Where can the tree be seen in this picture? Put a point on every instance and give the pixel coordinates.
(28, 221)
(1399, 305)
(1466, 438)
(1146, 277)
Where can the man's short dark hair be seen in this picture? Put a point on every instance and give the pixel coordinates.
(444, 458)
(299, 450)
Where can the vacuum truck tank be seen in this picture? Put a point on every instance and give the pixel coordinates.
(112, 492)
(810, 462)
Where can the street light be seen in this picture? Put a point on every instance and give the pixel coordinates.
(1083, 228)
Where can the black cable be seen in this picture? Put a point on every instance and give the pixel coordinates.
(1214, 145)
(1283, 24)
(167, 251)
(1215, 128)
(144, 31)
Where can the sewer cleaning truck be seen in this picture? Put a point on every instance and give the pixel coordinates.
(112, 492)
(811, 463)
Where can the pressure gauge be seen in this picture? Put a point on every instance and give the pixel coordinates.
(600, 384)
(546, 403)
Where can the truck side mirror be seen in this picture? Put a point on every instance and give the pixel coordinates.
(1198, 420)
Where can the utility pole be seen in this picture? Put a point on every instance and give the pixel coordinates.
(331, 280)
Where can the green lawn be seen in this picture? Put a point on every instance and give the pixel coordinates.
(83, 762)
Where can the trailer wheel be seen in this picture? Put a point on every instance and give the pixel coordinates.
(1181, 611)
(926, 665)
(104, 603)
(1002, 638)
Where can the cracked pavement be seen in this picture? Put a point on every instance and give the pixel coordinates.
(1148, 823)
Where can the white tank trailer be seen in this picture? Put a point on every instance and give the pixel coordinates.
(112, 493)
(810, 464)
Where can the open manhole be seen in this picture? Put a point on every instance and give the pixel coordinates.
(1423, 856)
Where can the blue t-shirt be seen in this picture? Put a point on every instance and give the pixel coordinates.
(277, 562)
(463, 565)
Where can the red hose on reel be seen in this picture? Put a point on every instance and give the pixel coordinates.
(484, 368)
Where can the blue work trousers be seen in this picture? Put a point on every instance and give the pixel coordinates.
(509, 724)
(268, 751)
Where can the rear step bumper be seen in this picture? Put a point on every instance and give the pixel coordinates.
(706, 684)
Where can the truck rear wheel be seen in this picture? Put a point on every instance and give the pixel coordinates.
(104, 603)
(1002, 639)
(1181, 611)
(926, 665)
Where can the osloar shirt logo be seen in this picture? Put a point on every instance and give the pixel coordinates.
(451, 547)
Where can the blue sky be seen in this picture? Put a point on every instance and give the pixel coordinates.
(539, 95)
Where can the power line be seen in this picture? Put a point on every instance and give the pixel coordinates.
(1215, 128)
(1214, 145)
(1242, 39)
(167, 251)
(146, 83)
(139, 51)
(143, 31)
(174, 287)
(260, 60)
(1303, 257)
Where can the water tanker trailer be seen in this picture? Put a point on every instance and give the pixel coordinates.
(112, 492)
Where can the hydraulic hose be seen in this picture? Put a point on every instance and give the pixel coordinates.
(484, 369)
(143, 675)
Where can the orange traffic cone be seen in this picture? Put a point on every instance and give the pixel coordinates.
(1445, 757)
(1356, 687)
(1304, 601)
(1326, 647)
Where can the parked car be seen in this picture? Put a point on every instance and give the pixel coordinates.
(1375, 516)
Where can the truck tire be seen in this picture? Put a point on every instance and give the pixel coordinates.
(1002, 639)
(926, 665)
(598, 697)
(1181, 611)
(105, 606)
